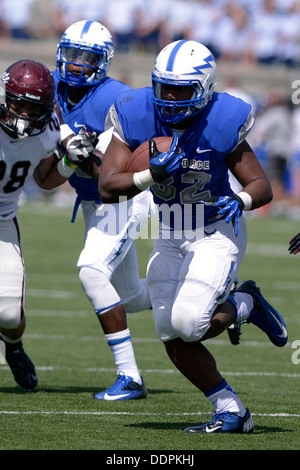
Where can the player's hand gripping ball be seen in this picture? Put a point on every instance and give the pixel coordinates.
(162, 158)
(140, 159)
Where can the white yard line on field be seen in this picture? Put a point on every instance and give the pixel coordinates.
(136, 413)
(97, 338)
(160, 371)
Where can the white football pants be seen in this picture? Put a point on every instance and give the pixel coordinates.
(12, 275)
(108, 264)
(189, 279)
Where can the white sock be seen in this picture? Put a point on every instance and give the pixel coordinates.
(224, 398)
(243, 304)
(122, 349)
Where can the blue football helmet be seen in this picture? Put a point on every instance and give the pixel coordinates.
(183, 63)
(88, 44)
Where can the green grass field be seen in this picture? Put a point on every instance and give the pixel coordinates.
(73, 361)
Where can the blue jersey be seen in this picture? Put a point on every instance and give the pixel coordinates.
(90, 112)
(212, 136)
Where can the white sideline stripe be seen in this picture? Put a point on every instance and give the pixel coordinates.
(59, 313)
(57, 294)
(63, 294)
(162, 371)
(275, 250)
(217, 342)
(128, 413)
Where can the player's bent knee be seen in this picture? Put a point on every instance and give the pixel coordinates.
(91, 279)
(188, 325)
(10, 313)
(98, 289)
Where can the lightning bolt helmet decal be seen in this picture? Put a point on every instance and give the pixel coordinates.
(187, 63)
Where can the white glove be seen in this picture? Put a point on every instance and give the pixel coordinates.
(80, 146)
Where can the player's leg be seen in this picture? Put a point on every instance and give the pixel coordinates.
(12, 294)
(126, 279)
(183, 320)
(106, 246)
(112, 318)
(132, 289)
(205, 280)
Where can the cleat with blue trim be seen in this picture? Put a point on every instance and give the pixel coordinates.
(124, 388)
(21, 365)
(225, 422)
(264, 315)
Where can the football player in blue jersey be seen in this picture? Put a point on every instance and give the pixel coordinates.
(108, 264)
(200, 247)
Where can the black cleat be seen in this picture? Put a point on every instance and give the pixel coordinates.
(21, 365)
(234, 333)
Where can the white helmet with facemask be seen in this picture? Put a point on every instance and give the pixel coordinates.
(183, 63)
(88, 44)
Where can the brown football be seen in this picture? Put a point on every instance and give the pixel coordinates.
(140, 160)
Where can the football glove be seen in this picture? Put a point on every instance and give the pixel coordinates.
(232, 206)
(165, 164)
(294, 246)
(80, 146)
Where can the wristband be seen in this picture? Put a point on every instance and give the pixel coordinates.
(65, 131)
(65, 168)
(143, 179)
(247, 200)
(68, 163)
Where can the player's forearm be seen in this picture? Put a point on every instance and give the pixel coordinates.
(260, 191)
(46, 174)
(113, 187)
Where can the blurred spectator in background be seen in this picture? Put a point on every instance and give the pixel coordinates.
(15, 18)
(272, 131)
(179, 15)
(204, 23)
(120, 18)
(252, 6)
(234, 34)
(42, 23)
(289, 35)
(266, 26)
(294, 167)
(151, 25)
(260, 31)
(67, 12)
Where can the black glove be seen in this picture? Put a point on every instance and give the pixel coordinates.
(165, 164)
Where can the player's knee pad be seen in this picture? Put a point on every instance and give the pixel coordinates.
(188, 324)
(98, 289)
(10, 312)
